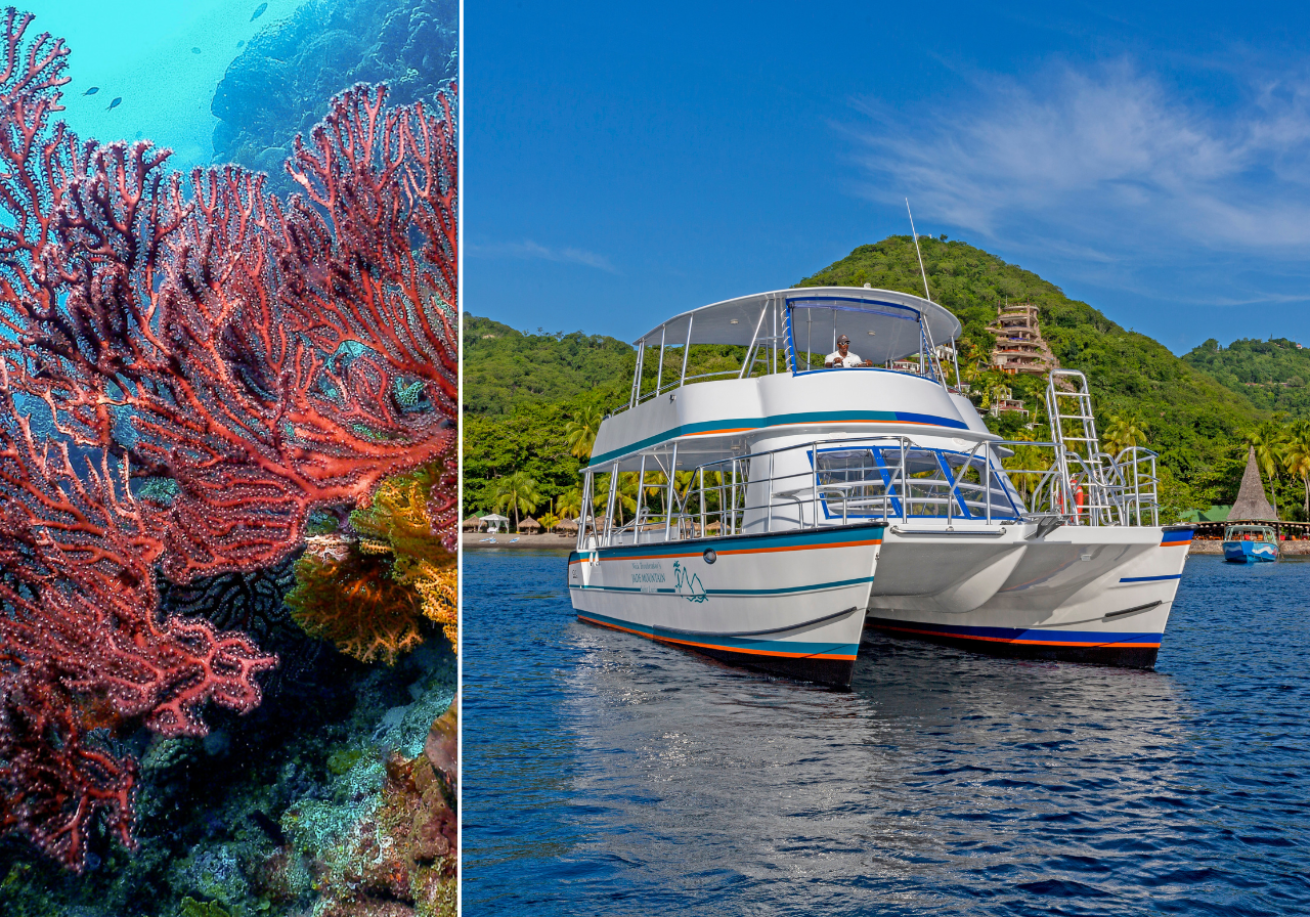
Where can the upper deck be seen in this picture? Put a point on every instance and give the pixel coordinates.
(779, 385)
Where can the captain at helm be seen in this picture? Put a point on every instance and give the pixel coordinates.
(842, 357)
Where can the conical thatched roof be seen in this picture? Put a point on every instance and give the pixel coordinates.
(568, 524)
(1252, 505)
(472, 522)
(530, 523)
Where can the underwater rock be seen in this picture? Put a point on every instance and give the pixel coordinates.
(280, 83)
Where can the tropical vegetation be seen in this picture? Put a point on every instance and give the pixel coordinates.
(533, 401)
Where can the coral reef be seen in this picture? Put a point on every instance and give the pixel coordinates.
(188, 368)
(279, 817)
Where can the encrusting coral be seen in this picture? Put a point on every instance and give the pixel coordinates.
(369, 594)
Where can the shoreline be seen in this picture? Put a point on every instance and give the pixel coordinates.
(566, 543)
(479, 540)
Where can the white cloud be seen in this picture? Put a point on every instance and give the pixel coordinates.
(1107, 159)
(528, 250)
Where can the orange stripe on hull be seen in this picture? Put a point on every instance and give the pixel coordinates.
(798, 547)
(714, 646)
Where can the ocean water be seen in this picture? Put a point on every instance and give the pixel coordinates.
(162, 58)
(605, 774)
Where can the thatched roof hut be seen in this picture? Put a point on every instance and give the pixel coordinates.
(530, 525)
(471, 524)
(566, 526)
(1252, 505)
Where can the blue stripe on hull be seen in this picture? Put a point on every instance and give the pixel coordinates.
(834, 536)
(1042, 636)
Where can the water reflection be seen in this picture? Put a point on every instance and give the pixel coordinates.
(942, 780)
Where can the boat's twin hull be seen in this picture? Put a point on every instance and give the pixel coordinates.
(796, 603)
(791, 603)
(1086, 594)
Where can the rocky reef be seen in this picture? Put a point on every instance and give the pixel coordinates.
(279, 85)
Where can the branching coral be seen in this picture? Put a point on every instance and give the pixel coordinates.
(207, 363)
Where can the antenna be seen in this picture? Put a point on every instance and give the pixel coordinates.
(917, 252)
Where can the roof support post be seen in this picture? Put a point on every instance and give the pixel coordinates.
(668, 497)
(636, 381)
(686, 350)
(659, 372)
(755, 338)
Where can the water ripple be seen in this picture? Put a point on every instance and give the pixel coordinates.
(609, 775)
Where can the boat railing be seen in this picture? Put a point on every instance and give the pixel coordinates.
(870, 479)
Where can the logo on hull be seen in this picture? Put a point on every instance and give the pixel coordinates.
(689, 584)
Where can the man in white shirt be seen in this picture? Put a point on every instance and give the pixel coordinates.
(842, 357)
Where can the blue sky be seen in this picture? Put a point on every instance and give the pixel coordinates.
(624, 162)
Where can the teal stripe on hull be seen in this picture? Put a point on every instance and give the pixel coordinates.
(778, 420)
(834, 536)
(789, 590)
(767, 647)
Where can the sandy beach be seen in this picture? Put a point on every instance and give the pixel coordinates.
(509, 540)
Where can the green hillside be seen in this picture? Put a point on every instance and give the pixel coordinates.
(1273, 374)
(504, 367)
(521, 389)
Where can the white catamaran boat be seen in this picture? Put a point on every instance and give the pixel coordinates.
(768, 511)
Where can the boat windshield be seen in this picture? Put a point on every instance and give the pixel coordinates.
(1249, 533)
(883, 334)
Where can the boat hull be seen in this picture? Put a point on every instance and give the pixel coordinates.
(788, 603)
(1085, 594)
(1250, 552)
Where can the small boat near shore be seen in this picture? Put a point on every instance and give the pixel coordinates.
(794, 503)
(1250, 544)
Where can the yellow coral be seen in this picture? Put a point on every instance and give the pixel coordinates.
(371, 599)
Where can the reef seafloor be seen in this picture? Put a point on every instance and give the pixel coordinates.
(228, 408)
(340, 804)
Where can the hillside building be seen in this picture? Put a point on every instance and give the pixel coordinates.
(1019, 344)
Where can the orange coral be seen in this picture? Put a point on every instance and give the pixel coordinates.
(356, 604)
(369, 595)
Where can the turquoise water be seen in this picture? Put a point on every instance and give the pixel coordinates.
(610, 775)
(141, 52)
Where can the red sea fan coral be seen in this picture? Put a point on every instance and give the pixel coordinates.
(187, 367)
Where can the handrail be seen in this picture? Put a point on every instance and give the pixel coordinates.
(749, 491)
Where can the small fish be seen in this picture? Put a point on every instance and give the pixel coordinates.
(241, 43)
(118, 100)
(92, 91)
(259, 11)
(195, 50)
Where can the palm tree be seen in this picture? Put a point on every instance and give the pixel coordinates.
(1268, 440)
(516, 492)
(625, 494)
(549, 521)
(569, 504)
(1125, 430)
(580, 433)
(1295, 454)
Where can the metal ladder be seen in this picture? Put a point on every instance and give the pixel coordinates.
(1077, 410)
(1073, 429)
